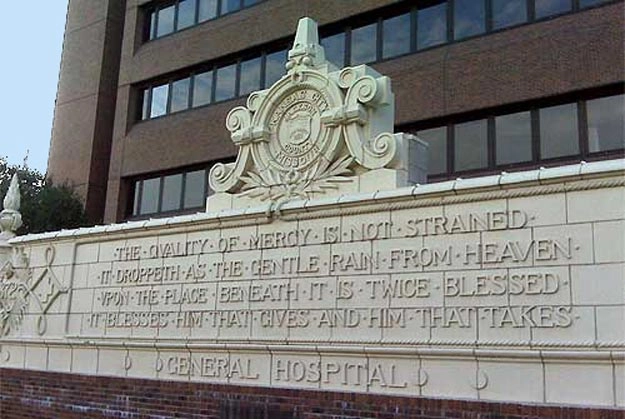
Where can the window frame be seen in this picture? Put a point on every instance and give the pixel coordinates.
(533, 107)
(150, 35)
(134, 208)
(345, 27)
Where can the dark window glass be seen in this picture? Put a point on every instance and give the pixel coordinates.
(149, 196)
(165, 21)
(207, 10)
(364, 44)
(436, 138)
(250, 76)
(513, 138)
(334, 47)
(226, 79)
(396, 36)
(202, 88)
(180, 95)
(606, 130)
(159, 101)
(247, 3)
(469, 18)
(228, 6)
(145, 107)
(508, 13)
(274, 67)
(172, 192)
(470, 150)
(558, 131)
(152, 25)
(195, 185)
(432, 25)
(186, 14)
(135, 204)
(590, 3)
(546, 8)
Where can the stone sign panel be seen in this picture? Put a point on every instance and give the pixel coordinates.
(432, 290)
(463, 276)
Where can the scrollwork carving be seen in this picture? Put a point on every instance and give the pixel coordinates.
(227, 177)
(309, 131)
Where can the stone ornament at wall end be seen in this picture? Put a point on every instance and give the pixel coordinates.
(21, 290)
(314, 133)
(10, 217)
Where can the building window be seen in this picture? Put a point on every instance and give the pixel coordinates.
(229, 6)
(250, 76)
(334, 47)
(471, 145)
(180, 95)
(546, 8)
(169, 17)
(207, 9)
(158, 105)
(508, 13)
(274, 67)
(165, 21)
(590, 3)
(170, 194)
(194, 189)
(606, 129)
(202, 88)
(432, 26)
(527, 138)
(172, 191)
(436, 139)
(396, 36)
(469, 18)
(149, 198)
(513, 134)
(225, 83)
(559, 131)
(364, 44)
(186, 14)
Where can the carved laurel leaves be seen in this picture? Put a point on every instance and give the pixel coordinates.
(284, 186)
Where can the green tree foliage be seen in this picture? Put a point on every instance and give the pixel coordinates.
(45, 207)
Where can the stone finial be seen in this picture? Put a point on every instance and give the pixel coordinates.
(306, 49)
(12, 199)
(10, 217)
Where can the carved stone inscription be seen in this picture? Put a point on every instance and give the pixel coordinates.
(474, 276)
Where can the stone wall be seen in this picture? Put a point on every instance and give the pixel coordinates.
(506, 288)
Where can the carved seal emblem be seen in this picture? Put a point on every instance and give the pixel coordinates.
(313, 130)
(297, 134)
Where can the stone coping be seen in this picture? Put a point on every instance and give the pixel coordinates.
(186, 345)
(541, 176)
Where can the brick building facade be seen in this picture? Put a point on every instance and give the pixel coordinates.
(490, 85)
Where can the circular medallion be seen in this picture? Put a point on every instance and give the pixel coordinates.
(298, 137)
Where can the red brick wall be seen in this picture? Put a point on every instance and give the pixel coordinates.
(41, 395)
